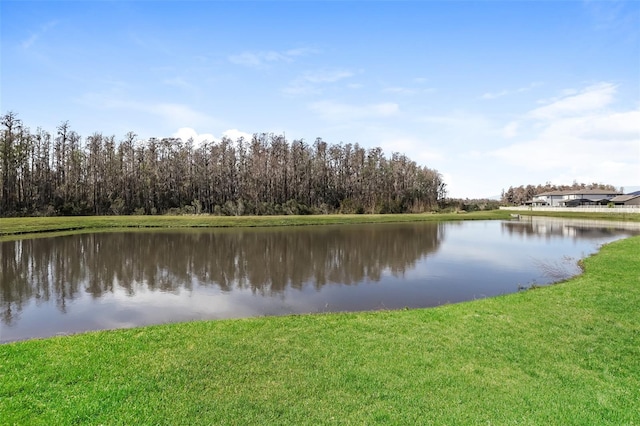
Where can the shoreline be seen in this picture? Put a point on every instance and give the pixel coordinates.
(562, 353)
(36, 227)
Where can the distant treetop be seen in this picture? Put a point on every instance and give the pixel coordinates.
(520, 194)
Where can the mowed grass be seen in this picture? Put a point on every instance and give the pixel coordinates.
(22, 226)
(611, 215)
(30, 227)
(563, 354)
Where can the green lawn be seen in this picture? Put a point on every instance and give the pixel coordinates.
(564, 354)
(10, 228)
(632, 217)
(29, 227)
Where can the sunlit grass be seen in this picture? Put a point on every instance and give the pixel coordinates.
(11, 227)
(626, 216)
(563, 354)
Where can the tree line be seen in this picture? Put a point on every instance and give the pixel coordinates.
(518, 195)
(64, 174)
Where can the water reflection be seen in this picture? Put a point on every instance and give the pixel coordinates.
(264, 261)
(85, 282)
(531, 226)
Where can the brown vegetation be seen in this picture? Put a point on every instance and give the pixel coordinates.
(41, 174)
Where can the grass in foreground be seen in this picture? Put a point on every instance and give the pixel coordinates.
(564, 354)
(10, 228)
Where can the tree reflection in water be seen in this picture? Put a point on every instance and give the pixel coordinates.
(266, 261)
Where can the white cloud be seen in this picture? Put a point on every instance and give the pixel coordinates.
(178, 82)
(591, 98)
(412, 89)
(258, 59)
(301, 87)
(407, 91)
(596, 142)
(326, 75)
(264, 58)
(449, 180)
(336, 111)
(510, 130)
(300, 51)
(235, 134)
(495, 95)
(458, 119)
(554, 149)
(400, 90)
(616, 125)
(186, 133)
(309, 82)
(578, 137)
(178, 114)
(505, 92)
(414, 148)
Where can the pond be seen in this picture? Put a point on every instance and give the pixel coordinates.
(76, 283)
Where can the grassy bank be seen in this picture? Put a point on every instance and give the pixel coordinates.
(12, 227)
(26, 227)
(632, 217)
(564, 354)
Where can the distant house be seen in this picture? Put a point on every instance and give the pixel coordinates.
(573, 198)
(632, 199)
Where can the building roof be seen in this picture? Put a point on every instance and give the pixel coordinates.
(584, 201)
(623, 198)
(581, 192)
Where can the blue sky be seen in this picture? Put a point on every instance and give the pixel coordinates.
(489, 93)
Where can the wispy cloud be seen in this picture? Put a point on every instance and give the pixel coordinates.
(415, 86)
(310, 81)
(178, 82)
(34, 37)
(510, 130)
(578, 137)
(507, 92)
(177, 114)
(416, 146)
(458, 119)
(336, 111)
(301, 88)
(327, 75)
(148, 42)
(590, 98)
(617, 16)
(263, 59)
(400, 90)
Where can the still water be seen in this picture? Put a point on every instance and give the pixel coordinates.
(62, 285)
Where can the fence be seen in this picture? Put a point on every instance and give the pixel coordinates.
(589, 209)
